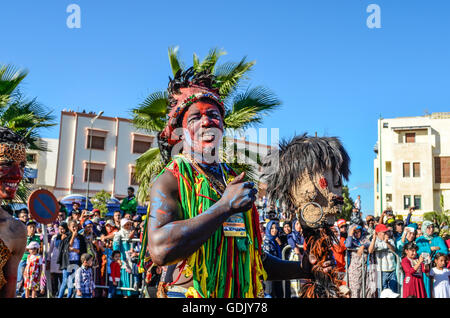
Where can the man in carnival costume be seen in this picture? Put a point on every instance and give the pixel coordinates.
(13, 233)
(305, 175)
(203, 225)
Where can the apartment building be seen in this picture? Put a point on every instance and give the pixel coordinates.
(109, 146)
(412, 166)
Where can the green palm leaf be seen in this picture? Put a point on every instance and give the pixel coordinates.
(148, 165)
(229, 74)
(10, 78)
(151, 114)
(174, 59)
(209, 62)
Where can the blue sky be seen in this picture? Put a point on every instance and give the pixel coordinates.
(334, 75)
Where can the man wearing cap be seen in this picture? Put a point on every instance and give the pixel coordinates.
(111, 229)
(31, 237)
(384, 248)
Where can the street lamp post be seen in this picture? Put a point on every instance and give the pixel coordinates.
(90, 156)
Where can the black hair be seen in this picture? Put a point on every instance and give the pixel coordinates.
(131, 189)
(302, 153)
(182, 79)
(114, 253)
(409, 246)
(439, 254)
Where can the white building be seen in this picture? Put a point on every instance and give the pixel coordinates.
(41, 165)
(414, 155)
(110, 147)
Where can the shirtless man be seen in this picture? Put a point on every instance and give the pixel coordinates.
(13, 233)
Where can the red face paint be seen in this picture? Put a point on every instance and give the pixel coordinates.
(203, 127)
(323, 183)
(11, 173)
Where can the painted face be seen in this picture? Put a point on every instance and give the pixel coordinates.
(203, 129)
(12, 166)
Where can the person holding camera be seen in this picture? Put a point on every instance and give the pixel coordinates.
(430, 243)
(414, 269)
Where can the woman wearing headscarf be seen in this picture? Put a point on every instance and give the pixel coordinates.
(122, 243)
(356, 244)
(271, 245)
(430, 243)
(296, 240)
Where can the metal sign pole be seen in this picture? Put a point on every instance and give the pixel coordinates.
(45, 252)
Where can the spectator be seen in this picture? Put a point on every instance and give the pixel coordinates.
(116, 218)
(357, 203)
(370, 226)
(31, 237)
(385, 256)
(339, 250)
(296, 240)
(84, 277)
(430, 243)
(62, 216)
(342, 225)
(114, 278)
(111, 230)
(75, 207)
(75, 216)
(287, 230)
(441, 276)
(153, 278)
(23, 216)
(413, 268)
(356, 217)
(356, 244)
(70, 250)
(55, 270)
(34, 269)
(122, 243)
(272, 246)
(409, 235)
(398, 229)
(129, 204)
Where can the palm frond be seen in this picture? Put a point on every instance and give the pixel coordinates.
(148, 166)
(10, 78)
(228, 75)
(210, 61)
(174, 60)
(150, 115)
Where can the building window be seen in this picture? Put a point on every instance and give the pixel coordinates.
(410, 137)
(418, 202)
(388, 166)
(416, 169)
(385, 125)
(95, 139)
(141, 143)
(133, 180)
(406, 168)
(406, 202)
(95, 173)
(442, 169)
(31, 157)
(388, 197)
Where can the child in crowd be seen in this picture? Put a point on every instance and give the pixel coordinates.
(413, 268)
(84, 277)
(33, 271)
(114, 277)
(441, 275)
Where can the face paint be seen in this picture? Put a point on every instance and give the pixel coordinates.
(203, 129)
(12, 165)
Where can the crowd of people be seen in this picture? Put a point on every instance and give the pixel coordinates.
(87, 255)
(379, 257)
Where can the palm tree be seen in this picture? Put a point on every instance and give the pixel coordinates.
(25, 117)
(244, 108)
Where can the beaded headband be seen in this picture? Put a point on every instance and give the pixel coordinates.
(13, 151)
(188, 96)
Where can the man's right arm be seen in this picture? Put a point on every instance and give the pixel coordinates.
(172, 239)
